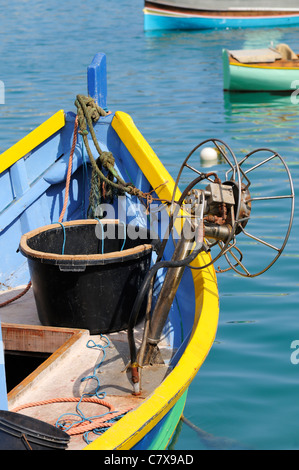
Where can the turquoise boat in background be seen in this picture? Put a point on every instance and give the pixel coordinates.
(260, 70)
(221, 14)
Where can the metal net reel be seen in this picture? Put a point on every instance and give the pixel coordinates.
(240, 204)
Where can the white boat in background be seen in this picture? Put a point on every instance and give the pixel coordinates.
(221, 14)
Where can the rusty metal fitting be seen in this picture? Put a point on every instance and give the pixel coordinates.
(135, 373)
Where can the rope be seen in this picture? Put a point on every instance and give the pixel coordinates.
(64, 237)
(125, 234)
(102, 185)
(102, 233)
(69, 171)
(7, 302)
(64, 400)
(81, 427)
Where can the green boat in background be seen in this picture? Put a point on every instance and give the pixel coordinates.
(266, 69)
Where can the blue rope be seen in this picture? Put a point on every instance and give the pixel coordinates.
(102, 234)
(85, 180)
(80, 413)
(125, 235)
(64, 238)
(65, 425)
(100, 431)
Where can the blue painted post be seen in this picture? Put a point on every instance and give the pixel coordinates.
(97, 80)
(3, 389)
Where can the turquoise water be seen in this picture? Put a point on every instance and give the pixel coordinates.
(246, 394)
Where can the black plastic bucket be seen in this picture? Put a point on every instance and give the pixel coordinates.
(79, 281)
(19, 432)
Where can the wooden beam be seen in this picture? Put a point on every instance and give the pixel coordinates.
(34, 338)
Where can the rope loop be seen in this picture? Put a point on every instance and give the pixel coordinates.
(107, 160)
(106, 183)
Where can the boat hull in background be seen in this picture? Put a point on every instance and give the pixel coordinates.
(198, 14)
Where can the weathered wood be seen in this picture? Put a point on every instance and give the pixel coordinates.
(35, 338)
(49, 364)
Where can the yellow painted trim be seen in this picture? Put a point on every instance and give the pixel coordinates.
(127, 432)
(32, 140)
(143, 154)
(262, 66)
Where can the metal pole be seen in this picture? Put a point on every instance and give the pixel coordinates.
(169, 289)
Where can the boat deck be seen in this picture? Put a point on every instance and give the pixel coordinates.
(60, 376)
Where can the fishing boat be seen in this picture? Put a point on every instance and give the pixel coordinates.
(266, 69)
(107, 279)
(222, 14)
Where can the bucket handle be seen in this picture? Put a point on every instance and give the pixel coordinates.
(82, 268)
(100, 222)
(72, 268)
(63, 244)
(125, 234)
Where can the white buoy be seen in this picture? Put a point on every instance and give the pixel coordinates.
(208, 157)
(208, 154)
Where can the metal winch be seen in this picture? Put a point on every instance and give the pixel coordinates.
(219, 203)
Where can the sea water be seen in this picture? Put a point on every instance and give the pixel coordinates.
(246, 394)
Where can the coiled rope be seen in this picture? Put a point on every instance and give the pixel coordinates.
(109, 184)
(82, 426)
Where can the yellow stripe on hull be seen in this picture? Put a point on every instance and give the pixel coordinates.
(268, 67)
(32, 140)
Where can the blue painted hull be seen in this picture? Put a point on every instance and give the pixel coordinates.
(162, 21)
(31, 194)
(39, 181)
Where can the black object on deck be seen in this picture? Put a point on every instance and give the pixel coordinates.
(78, 281)
(20, 432)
